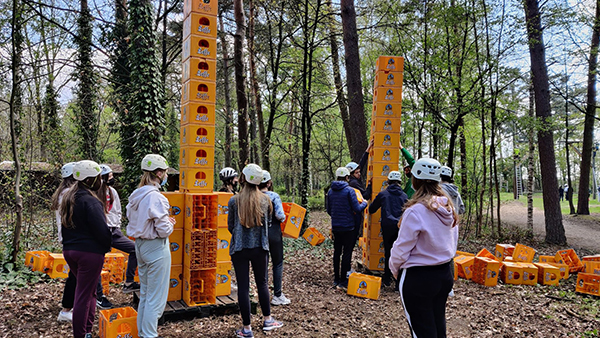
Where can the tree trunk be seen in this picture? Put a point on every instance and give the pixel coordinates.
(568, 193)
(530, 176)
(257, 105)
(583, 204)
(228, 113)
(240, 81)
(356, 103)
(555, 231)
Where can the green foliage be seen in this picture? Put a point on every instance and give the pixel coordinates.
(11, 278)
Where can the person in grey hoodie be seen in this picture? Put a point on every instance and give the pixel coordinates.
(422, 255)
(150, 225)
(451, 189)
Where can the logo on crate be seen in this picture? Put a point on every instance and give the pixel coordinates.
(187, 248)
(390, 80)
(127, 335)
(296, 221)
(386, 156)
(201, 160)
(173, 282)
(387, 140)
(381, 263)
(188, 212)
(175, 211)
(387, 125)
(391, 64)
(310, 237)
(528, 276)
(388, 110)
(65, 269)
(222, 279)
(174, 247)
(386, 170)
(203, 29)
(362, 288)
(389, 94)
(203, 73)
(491, 274)
(223, 209)
(203, 51)
(200, 117)
(223, 244)
(381, 247)
(202, 96)
(199, 183)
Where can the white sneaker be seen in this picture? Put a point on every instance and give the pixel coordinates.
(281, 300)
(65, 316)
(451, 294)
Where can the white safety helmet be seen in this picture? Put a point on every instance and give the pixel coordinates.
(266, 177)
(152, 162)
(342, 171)
(394, 176)
(227, 173)
(352, 166)
(446, 171)
(84, 169)
(105, 169)
(427, 169)
(253, 173)
(67, 170)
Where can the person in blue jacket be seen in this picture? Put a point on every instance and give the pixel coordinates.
(342, 206)
(357, 170)
(391, 201)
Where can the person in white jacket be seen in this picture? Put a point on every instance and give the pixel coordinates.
(422, 255)
(150, 225)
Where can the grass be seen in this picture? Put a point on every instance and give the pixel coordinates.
(538, 202)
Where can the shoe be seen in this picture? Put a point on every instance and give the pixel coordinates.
(65, 316)
(131, 287)
(88, 335)
(336, 282)
(386, 282)
(242, 333)
(281, 300)
(103, 303)
(451, 294)
(271, 325)
(343, 286)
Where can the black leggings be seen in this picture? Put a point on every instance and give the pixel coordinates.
(343, 244)
(241, 263)
(424, 291)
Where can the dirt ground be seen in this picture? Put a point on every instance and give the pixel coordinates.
(318, 310)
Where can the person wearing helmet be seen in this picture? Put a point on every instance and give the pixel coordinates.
(421, 257)
(408, 189)
(451, 189)
(85, 239)
(275, 239)
(248, 220)
(391, 201)
(342, 206)
(150, 225)
(229, 177)
(355, 181)
(66, 172)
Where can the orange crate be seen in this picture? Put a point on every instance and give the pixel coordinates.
(465, 266)
(570, 258)
(195, 156)
(202, 138)
(387, 79)
(373, 218)
(592, 267)
(196, 180)
(313, 236)
(523, 253)
(387, 95)
(530, 273)
(386, 140)
(105, 281)
(199, 46)
(198, 113)
(595, 258)
(119, 322)
(35, 259)
(223, 208)
(199, 286)
(374, 246)
(385, 125)
(387, 110)
(200, 249)
(201, 211)
(588, 283)
(486, 271)
(294, 217)
(56, 266)
(198, 90)
(548, 274)
(381, 170)
(511, 273)
(223, 287)
(563, 269)
(177, 204)
(385, 155)
(374, 262)
(201, 7)
(364, 286)
(176, 246)
(200, 24)
(390, 63)
(503, 251)
(547, 259)
(224, 241)
(200, 69)
(374, 231)
(175, 283)
(464, 253)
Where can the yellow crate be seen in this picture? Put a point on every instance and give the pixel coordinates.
(196, 156)
(35, 259)
(177, 207)
(176, 246)
(381, 170)
(570, 258)
(511, 273)
(374, 246)
(56, 266)
(455, 274)
(530, 273)
(523, 253)
(547, 259)
(563, 269)
(119, 322)
(373, 231)
(387, 95)
(486, 271)
(364, 286)
(386, 140)
(202, 138)
(224, 238)
(200, 69)
(313, 236)
(463, 253)
(200, 249)
(588, 283)
(388, 79)
(385, 155)
(199, 46)
(294, 217)
(199, 286)
(198, 113)
(105, 281)
(373, 218)
(201, 7)
(504, 250)
(465, 266)
(201, 211)
(198, 90)
(175, 283)
(592, 267)
(196, 180)
(374, 262)
(548, 274)
(385, 125)
(223, 208)
(387, 110)
(223, 287)
(390, 63)
(594, 258)
(200, 24)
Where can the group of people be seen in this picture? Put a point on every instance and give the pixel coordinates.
(419, 229)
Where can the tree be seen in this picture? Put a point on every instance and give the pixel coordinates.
(240, 81)
(555, 232)
(228, 112)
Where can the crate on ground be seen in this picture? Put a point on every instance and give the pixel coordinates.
(105, 281)
(223, 208)
(503, 251)
(223, 279)
(114, 263)
(176, 246)
(294, 217)
(38, 260)
(548, 274)
(547, 259)
(201, 211)
(455, 271)
(588, 283)
(119, 322)
(364, 286)
(313, 236)
(465, 266)
(56, 266)
(486, 253)
(175, 283)
(224, 242)
(523, 253)
(592, 267)
(177, 207)
(199, 286)
(511, 273)
(594, 258)
(463, 253)
(570, 258)
(30, 258)
(200, 249)
(486, 271)
(530, 273)
(563, 270)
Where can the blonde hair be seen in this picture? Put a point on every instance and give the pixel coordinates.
(150, 178)
(425, 191)
(249, 203)
(68, 203)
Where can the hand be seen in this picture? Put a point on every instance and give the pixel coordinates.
(400, 144)
(371, 144)
(370, 181)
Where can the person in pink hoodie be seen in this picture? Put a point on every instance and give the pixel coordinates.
(421, 257)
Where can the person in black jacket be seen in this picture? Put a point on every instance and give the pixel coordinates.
(391, 201)
(86, 238)
(355, 181)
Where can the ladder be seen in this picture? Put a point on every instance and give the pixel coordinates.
(518, 181)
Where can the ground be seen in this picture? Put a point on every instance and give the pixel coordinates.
(318, 310)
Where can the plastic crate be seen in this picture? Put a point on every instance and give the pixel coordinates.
(294, 217)
(463, 253)
(313, 236)
(176, 246)
(199, 138)
(35, 259)
(175, 283)
(384, 109)
(223, 279)
(523, 253)
(594, 258)
(374, 246)
(389, 155)
(200, 24)
(200, 91)
(201, 69)
(199, 286)
(504, 250)
(114, 263)
(588, 283)
(105, 281)
(224, 242)
(200, 249)
(486, 271)
(570, 258)
(196, 180)
(223, 208)
(373, 231)
(390, 63)
(547, 259)
(530, 273)
(201, 211)
(374, 262)
(486, 253)
(200, 6)
(194, 156)
(364, 286)
(385, 140)
(199, 46)
(381, 170)
(56, 266)
(385, 125)
(465, 266)
(388, 79)
(563, 269)
(592, 267)
(548, 274)
(386, 95)
(118, 323)
(177, 206)
(198, 113)
(511, 273)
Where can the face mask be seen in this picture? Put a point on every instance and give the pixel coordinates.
(110, 182)
(164, 181)
(95, 185)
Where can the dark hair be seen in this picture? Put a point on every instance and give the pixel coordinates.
(66, 183)
(103, 192)
(68, 202)
(446, 178)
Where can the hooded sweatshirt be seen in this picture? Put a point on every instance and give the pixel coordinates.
(113, 217)
(425, 238)
(391, 201)
(342, 205)
(148, 214)
(454, 195)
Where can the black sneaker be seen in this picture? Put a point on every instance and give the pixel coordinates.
(103, 303)
(131, 287)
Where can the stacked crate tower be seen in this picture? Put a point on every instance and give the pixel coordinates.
(385, 154)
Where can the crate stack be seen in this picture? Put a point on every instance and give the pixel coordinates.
(177, 208)
(385, 154)
(588, 281)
